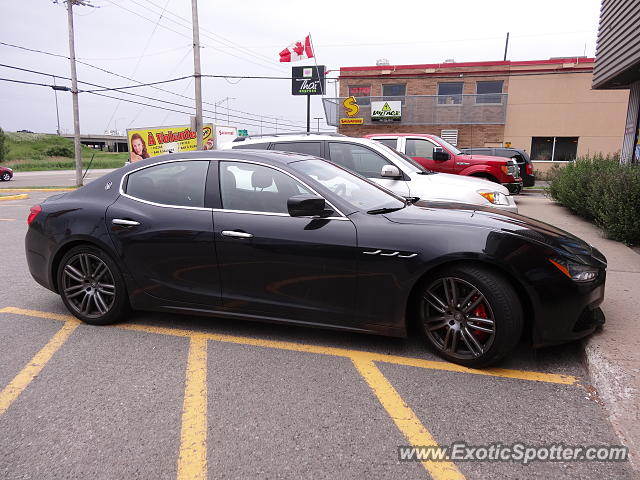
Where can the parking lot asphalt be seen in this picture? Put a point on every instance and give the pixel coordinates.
(166, 396)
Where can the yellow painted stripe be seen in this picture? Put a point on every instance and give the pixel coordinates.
(404, 418)
(39, 314)
(192, 462)
(7, 219)
(14, 197)
(35, 366)
(338, 352)
(61, 189)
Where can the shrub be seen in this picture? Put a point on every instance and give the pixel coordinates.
(600, 189)
(60, 151)
(4, 148)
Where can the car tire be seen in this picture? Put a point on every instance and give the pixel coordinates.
(6, 177)
(92, 287)
(470, 315)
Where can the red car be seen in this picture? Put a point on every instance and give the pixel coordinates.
(434, 153)
(6, 173)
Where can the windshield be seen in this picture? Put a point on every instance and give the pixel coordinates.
(451, 147)
(353, 189)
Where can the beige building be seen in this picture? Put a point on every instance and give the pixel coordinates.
(546, 108)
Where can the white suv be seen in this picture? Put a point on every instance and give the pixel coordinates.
(385, 166)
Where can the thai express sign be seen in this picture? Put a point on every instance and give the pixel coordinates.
(386, 111)
(308, 80)
(150, 142)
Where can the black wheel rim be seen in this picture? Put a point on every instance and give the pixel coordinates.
(88, 285)
(458, 319)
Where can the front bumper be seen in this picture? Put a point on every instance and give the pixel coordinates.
(514, 187)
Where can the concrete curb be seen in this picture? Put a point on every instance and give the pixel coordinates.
(60, 189)
(14, 197)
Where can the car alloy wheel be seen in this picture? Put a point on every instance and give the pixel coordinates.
(6, 177)
(460, 320)
(88, 285)
(470, 315)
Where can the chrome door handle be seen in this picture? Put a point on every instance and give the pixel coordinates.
(231, 233)
(126, 223)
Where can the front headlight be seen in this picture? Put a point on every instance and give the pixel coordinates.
(575, 271)
(497, 198)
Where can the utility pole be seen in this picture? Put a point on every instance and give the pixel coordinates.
(506, 45)
(55, 93)
(74, 94)
(197, 76)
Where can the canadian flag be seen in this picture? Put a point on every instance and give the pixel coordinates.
(297, 51)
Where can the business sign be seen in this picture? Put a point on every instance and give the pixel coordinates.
(308, 80)
(390, 111)
(151, 142)
(225, 135)
(351, 109)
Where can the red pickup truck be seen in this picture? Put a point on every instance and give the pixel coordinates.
(436, 154)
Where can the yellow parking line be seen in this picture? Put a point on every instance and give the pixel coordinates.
(338, 352)
(192, 462)
(14, 197)
(404, 418)
(35, 366)
(62, 189)
(7, 219)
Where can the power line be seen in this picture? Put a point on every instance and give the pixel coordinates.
(152, 86)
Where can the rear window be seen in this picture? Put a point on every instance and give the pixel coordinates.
(308, 148)
(250, 146)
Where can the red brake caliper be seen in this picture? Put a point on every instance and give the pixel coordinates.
(481, 312)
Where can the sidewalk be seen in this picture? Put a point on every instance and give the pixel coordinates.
(613, 355)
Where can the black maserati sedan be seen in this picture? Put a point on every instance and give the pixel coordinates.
(291, 238)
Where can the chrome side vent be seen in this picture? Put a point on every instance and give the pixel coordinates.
(390, 253)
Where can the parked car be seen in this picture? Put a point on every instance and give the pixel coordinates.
(436, 154)
(290, 238)
(520, 156)
(6, 174)
(385, 166)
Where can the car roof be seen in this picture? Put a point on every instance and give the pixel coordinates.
(303, 137)
(424, 135)
(265, 156)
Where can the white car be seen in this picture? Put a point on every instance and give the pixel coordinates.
(385, 166)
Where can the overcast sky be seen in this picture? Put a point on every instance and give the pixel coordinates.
(129, 38)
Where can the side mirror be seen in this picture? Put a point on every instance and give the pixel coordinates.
(305, 206)
(440, 156)
(390, 171)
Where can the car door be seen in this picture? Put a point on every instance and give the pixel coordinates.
(163, 233)
(421, 150)
(368, 163)
(274, 265)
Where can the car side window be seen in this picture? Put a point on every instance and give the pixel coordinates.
(308, 148)
(419, 148)
(176, 183)
(358, 159)
(256, 188)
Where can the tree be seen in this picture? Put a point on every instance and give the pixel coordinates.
(4, 148)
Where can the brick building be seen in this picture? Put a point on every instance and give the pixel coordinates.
(546, 107)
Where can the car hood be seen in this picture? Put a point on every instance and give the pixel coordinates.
(426, 212)
(452, 181)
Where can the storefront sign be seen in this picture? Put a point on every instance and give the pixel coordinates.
(351, 109)
(150, 142)
(390, 111)
(308, 80)
(351, 121)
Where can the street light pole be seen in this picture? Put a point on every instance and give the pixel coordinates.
(55, 93)
(318, 119)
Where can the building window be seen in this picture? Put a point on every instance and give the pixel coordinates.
(394, 90)
(557, 149)
(450, 93)
(360, 91)
(487, 92)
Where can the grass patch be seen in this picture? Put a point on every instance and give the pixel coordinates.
(33, 152)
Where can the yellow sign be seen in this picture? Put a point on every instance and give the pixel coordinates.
(351, 121)
(507, 144)
(351, 107)
(150, 142)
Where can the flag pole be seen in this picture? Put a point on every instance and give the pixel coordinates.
(315, 60)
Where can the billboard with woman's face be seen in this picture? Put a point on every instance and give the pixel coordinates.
(150, 142)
